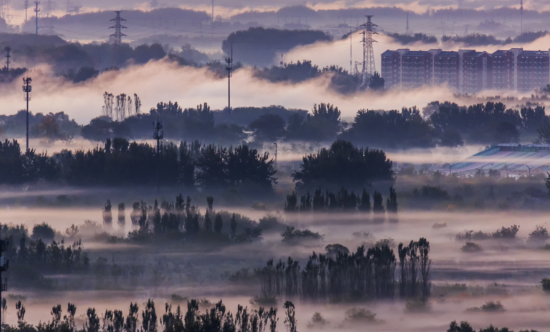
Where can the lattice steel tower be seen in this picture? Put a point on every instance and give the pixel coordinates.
(368, 65)
(118, 28)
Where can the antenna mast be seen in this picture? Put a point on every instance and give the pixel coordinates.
(36, 10)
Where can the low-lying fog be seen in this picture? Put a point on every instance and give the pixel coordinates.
(516, 267)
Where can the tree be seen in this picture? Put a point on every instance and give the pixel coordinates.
(268, 127)
(218, 224)
(343, 165)
(506, 132)
(376, 82)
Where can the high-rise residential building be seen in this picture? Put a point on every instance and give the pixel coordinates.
(467, 71)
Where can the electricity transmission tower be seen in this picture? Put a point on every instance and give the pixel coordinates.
(367, 66)
(27, 88)
(229, 68)
(118, 35)
(36, 10)
(118, 28)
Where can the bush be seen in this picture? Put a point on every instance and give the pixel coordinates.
(439, 225)
(418, 306)
(317, 322)
(471, 235)
(436, 193)
(43, 231)
(471, 247)
(545, 284)
(506, 232)
(539, 235)
(292, 234)
(264, 301)
(360, 316)
(491, 306)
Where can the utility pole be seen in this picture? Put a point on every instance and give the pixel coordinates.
(8, 56)
(36, 10)
(4, 264)
(118, 35)
(27, 88)
(229, 68)
(158, 134)
(407, 23)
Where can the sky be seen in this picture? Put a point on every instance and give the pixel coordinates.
(227, 8)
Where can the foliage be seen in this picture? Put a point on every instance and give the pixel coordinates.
(363, 275)
(490, 306)
(268, 127)
(317, 322)
(540, 234)
(120, 162)
(43, 231)
(471, 247)
(405, 39)
(360, 316)
(343, 165)
(259, 45)
(292, 235)
(392, 129)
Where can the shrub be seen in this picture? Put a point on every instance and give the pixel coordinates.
(317, 322)
(545, 284)
(491, 306)
(471, 235)
(418, 306)
(540, 234)
(292, 234)
(506, 232)
(360, 316)
(439, 225)
(335, 249)
(178, 298)
(264, 301)
(471, 247)
(437, 193)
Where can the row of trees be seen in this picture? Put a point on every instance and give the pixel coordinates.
(442, 124)
(342, 201)
(182, 221)
(363, 275)
(120, 162)
(215, 318)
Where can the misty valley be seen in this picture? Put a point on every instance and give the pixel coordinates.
(170, 166)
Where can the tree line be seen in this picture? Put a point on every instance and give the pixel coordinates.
(344, 201)
(440, 124)
(364, 275)
(182, 221)
(215, 318)
(120, 162)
